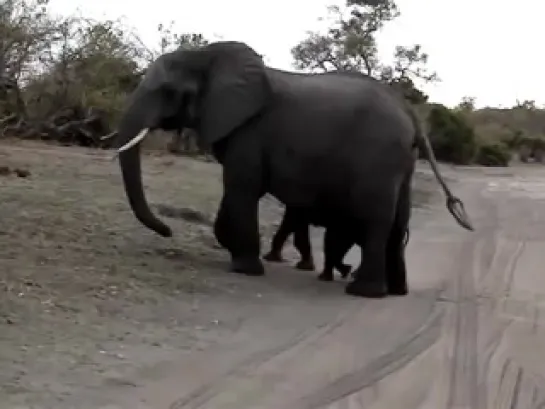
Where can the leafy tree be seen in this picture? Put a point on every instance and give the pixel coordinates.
(71, 74)
(452, 138)
(171, 40)
(406, 87)
(493, 154)
(527, 104)
(96, 65)
(466, 105)
(409, 62)
(26, 31)
(350, 44)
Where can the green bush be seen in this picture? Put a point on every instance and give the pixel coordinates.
(493, 154)
(452, 137)
(532, 147)
(515, 140)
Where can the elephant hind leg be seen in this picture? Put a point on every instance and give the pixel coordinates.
(343, 245)
(372, 235)
(370, 277)
(396, 269)
(301, 241)
(344, 269)
(330, 250)
(287, 227)
(274, 256)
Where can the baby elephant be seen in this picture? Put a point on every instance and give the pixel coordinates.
(297, 223)
(336, 245)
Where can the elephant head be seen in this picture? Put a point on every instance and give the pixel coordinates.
(214, 90)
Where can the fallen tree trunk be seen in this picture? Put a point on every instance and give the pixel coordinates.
(70, 126)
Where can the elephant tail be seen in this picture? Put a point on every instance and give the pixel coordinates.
(454, 205)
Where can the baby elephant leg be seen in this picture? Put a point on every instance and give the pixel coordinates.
(336, 245)
(287, 227)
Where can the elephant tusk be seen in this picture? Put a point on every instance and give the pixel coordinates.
(109, 136)
(134, 141)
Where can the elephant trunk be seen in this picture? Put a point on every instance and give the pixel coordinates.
(129, 160)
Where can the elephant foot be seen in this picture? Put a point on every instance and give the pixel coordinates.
(396, 279)
(307, 265)
(344, 269)
(366, 289)
(273, 256)
(398, 289)
(249, 266)
(326, 276)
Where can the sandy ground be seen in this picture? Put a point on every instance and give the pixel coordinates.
(98, 312)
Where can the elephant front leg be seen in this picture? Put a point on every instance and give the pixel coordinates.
(335, 243)
(236, 229)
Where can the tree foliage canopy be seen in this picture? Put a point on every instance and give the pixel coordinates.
(62, 76)
(66, 78)
(350, 43)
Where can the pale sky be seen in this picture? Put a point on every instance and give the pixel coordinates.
(488, 49)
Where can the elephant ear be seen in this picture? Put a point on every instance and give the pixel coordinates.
(237, 88)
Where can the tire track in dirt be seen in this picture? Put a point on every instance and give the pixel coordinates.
(470, 264)
(484, 371)
(507, 382)
(377, 369)
(494, 288)
(481, 286)
(498, 263)
(326, 367)
(464, 391)
(202, 395)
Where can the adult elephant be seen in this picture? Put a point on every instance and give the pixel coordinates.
(326, 142)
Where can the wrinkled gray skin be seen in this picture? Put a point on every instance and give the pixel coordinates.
(325, 142)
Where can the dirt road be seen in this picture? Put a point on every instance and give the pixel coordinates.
(470, 335)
